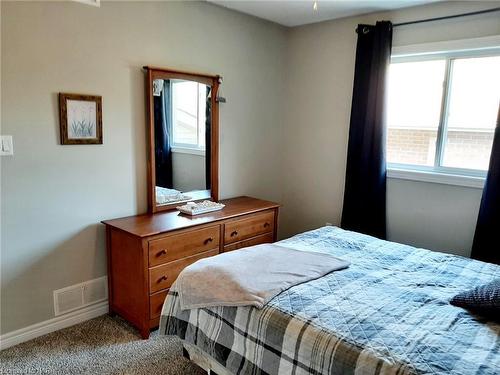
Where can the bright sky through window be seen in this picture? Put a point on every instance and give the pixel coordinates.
(189, 104)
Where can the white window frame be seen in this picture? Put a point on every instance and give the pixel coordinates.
(186, 148)
(449, 50)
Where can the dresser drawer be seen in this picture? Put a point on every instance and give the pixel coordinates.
(156, 303)
(162, 277)
(177, 246)
(251, 226)
(265, 238)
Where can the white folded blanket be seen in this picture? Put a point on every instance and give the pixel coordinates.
(250, 276)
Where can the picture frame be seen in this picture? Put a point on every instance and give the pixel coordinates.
(80, 119)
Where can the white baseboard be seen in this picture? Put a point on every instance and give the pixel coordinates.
(39, 329)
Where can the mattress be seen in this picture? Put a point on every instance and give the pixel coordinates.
(388, 313)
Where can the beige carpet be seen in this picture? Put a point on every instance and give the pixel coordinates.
(103, 345)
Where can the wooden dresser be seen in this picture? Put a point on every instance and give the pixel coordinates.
(146, 253)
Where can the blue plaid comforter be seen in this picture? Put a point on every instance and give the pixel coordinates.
(388, 313)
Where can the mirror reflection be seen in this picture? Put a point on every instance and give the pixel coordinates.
(182, 117)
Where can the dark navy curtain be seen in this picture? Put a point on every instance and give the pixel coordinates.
(208, 139)
(486, 242)
(163, 138)
(365, 185)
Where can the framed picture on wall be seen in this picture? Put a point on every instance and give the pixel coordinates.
(80, 119)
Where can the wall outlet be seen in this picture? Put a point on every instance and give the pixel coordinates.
(328, 224)
(6, 145)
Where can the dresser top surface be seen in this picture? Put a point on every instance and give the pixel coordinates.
(151, 224)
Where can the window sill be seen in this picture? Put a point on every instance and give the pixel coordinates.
(438, 178)
(186, 150)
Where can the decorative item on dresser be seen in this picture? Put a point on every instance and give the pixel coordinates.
(147, 252)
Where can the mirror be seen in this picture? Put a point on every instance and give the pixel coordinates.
(183, 129)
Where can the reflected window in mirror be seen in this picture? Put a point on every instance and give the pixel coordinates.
(189, 104)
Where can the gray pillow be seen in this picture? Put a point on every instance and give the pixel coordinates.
(484, 299)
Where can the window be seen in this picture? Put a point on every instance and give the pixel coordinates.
(442, 112)
(189, 102)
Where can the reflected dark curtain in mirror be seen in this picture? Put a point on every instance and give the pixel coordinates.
(162, 122)
(208, 143)
(365, 185)
(485, 246)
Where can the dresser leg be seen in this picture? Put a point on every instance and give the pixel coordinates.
(144, 333)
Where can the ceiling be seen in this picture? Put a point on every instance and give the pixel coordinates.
(301, 12)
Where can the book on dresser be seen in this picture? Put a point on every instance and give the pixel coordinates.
(147, 252)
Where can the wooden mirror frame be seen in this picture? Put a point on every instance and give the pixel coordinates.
(153, 73)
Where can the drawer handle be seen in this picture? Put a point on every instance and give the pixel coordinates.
(163, 278)
(208, 240)
(234, 233)
(161, 252)
(266, 225)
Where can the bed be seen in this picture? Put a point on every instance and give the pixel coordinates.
(388, 313)
(165, 195)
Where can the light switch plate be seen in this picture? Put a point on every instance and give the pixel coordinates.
(6, 145)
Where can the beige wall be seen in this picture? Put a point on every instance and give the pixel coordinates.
(320, 77)
(188, 171)
(53, 196)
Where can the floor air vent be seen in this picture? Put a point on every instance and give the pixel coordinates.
(75, 297)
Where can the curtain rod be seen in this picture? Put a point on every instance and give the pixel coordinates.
(447, 17)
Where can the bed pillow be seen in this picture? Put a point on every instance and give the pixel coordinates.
(484, 299)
